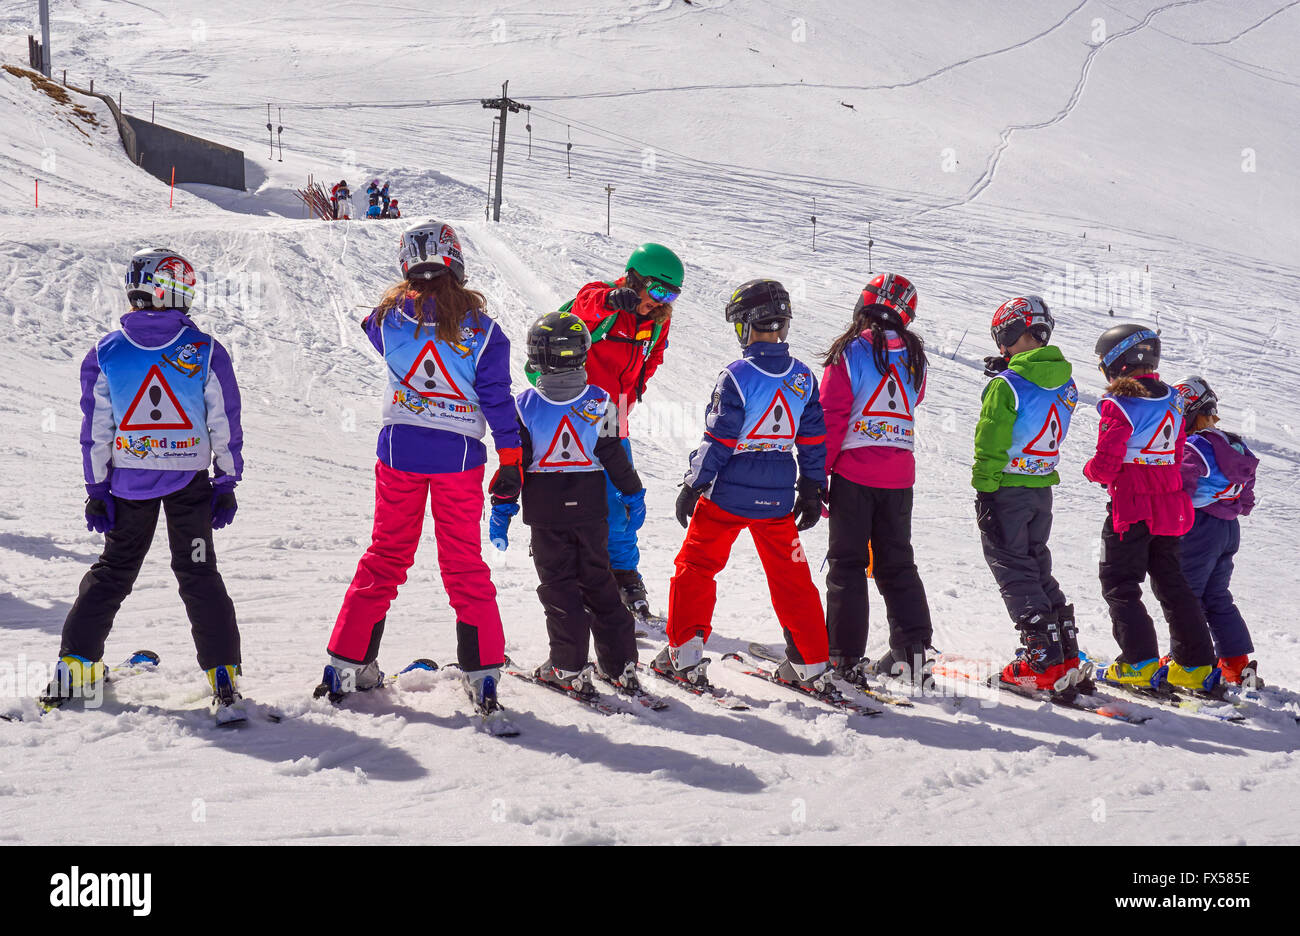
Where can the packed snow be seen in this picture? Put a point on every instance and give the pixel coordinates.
(1123, 156)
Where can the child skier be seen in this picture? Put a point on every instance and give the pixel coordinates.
(566, 457)
(448, 383)
(341, 200)
(1024, 418)
(393, 210)
(743, 477)
(1139, 449)
(873, 382)
(159, 402)
(383, 194)
(1219, 473)
(373, 209)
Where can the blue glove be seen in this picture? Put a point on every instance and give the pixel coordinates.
(499, 524)
(635, 506)
(223, 508)
(101, 508)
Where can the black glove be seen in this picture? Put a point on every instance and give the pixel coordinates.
(995, 364)
(506, 484)
(686, 501)
(622, 299)
(808, 505)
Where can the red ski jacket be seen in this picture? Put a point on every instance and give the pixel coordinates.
(623, 361)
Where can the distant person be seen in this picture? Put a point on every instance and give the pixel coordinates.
(393, 211)
(373, 209)
(150, 431)
(1219, 473)
(629, 320)
(341, 200)
(383, 193)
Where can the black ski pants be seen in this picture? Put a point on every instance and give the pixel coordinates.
(194, 562)
(1014, 524)
(581, 597)
(881, 517)
(1125, 562)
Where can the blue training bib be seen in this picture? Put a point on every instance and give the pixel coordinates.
(431, 382)
(1042, 421)
(564, 432)
(1213, 487)
(157, 400)
(774, 404)
(1156, 424)
(883, 401)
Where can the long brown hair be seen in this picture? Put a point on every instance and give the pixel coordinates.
(441, 302)
(866, 319)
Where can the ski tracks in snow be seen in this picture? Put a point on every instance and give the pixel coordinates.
(991, 167)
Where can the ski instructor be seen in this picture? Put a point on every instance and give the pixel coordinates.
(628, 320)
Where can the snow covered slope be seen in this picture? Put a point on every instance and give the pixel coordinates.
(1104, 161)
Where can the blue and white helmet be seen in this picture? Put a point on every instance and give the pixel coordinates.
(160, 279)
(429, 249)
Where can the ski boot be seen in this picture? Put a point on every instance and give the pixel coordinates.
(1203, 679)
(1069, 632)
(481, 687)
(575, 681)
(1241, 671)
(344, 676)
(631, 588)
(1145, 674)
(227, 705)
(909, 664)
(853, 670)
(626, 682)
(810, 677)
(1041, 663)
(75, 677)
(685, 664)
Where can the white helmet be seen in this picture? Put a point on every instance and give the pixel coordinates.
(429, 249)
(160, 279)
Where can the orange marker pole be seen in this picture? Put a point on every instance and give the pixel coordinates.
(172, 197)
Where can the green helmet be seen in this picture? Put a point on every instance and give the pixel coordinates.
(656, 262)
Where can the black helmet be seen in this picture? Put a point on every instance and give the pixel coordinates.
(557, 342)
(1128, 349)
(759, 305)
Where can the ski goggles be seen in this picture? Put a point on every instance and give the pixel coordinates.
(661, 292)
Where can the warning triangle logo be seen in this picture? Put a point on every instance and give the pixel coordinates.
(1162, 442)
(1048, 440)
(155, 406)
(566, 449)
(890, 399)
(777, 422)
(428, 376)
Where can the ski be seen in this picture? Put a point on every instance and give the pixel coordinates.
(1193, 703)
(594, 701)
(1270, 699)
(656, 703)
(331, 686)
(1081, 697)
(763, 652)
(715, 694)
(835, 699)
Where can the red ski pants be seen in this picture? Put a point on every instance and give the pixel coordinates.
(693, 592)
(456, 500)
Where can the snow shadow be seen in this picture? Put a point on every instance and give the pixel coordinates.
(16, 614)
(39, 547)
